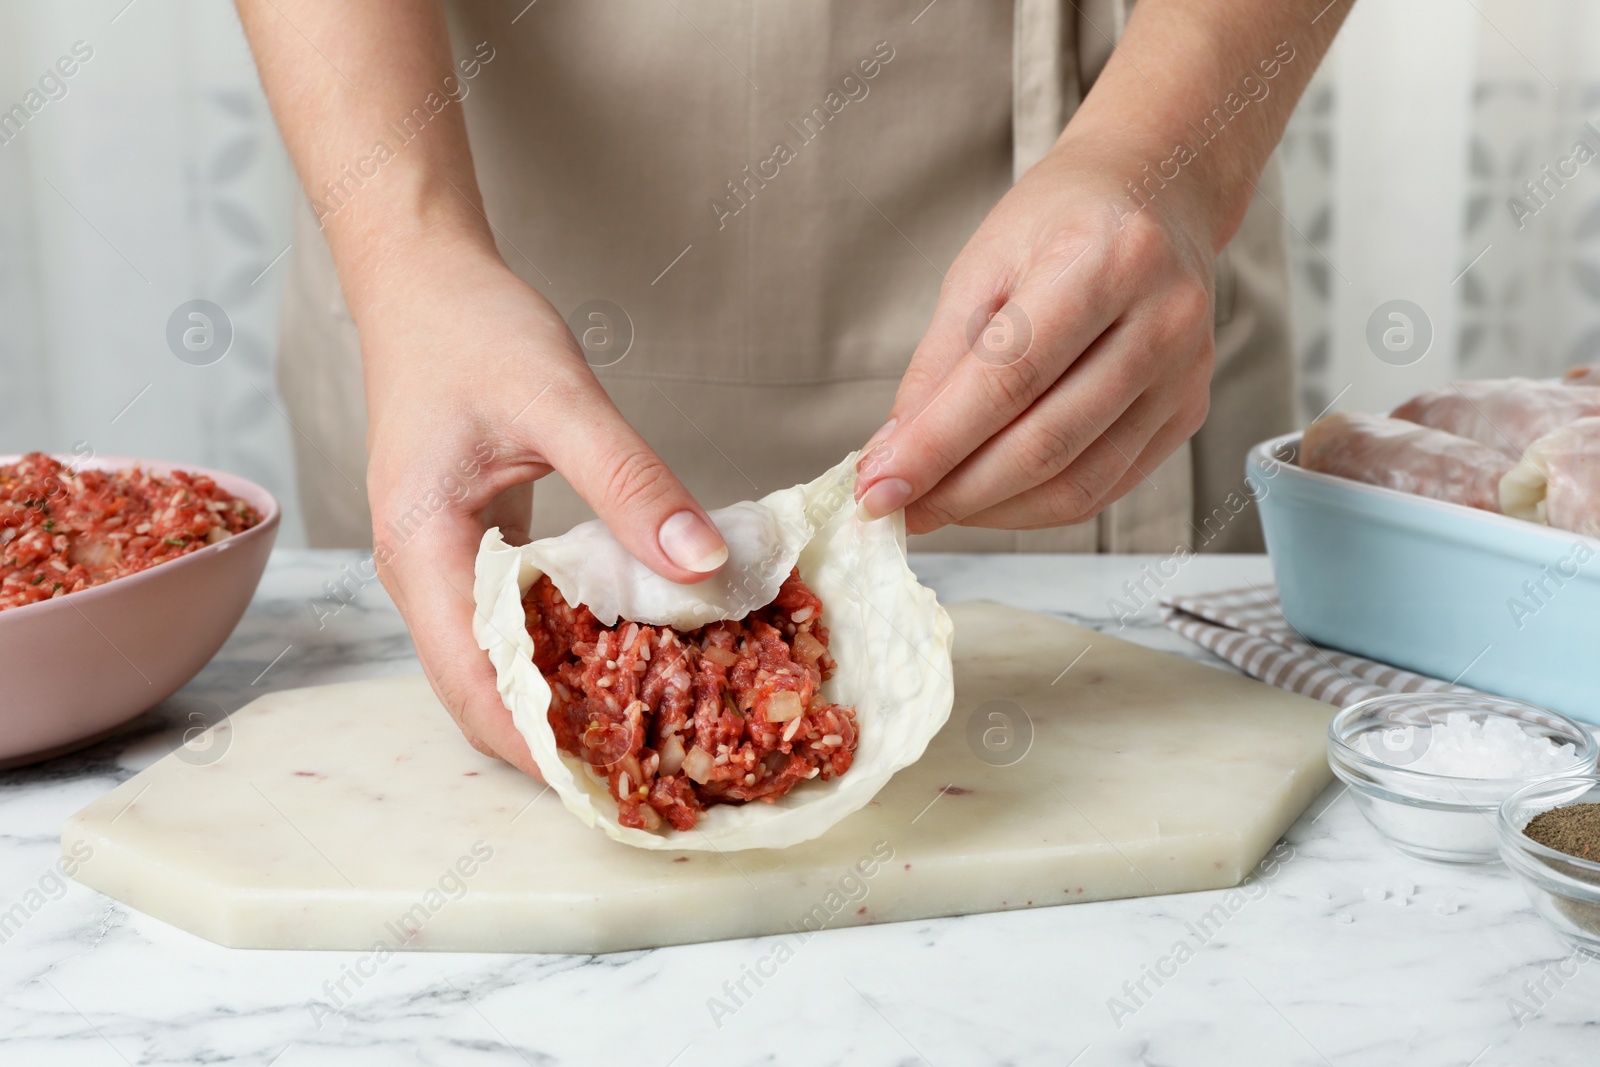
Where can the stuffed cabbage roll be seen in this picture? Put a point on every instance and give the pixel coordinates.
(1507, 414)
(754, 709)
(1402, 455)
(1558, 480)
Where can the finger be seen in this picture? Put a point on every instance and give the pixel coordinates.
(1156, 452)
(1081, 491)
(1018, 354)
(978, 286)
(620, 476)
(1047, 438)
(430, 576)
(1177, 430)
(969, 296)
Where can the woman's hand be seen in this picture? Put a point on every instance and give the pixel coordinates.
(476, 388)
(1071, 349)
(1070, 353)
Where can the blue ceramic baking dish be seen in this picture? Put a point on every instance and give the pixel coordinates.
(1502, 605)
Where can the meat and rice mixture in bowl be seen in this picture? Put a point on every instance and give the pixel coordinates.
(64, 530)
(726, 713)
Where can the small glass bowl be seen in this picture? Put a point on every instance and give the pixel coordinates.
(1565, 890)
(1436, 816)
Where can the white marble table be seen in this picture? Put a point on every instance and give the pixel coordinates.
(1339, 951)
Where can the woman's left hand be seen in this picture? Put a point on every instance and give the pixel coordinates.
(1070, 353)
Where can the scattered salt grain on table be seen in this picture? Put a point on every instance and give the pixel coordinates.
(1344, 918)
(1462, 748)
(1375, 894)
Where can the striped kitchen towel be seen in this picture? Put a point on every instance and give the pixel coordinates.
(1247, 628)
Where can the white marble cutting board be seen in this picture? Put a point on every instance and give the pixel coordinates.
(1075, 767)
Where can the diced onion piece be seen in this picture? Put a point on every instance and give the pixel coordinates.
(808, 647)
(648, 816)
(783, 706)
(697, 765)
(723, 656)
(94, 553)
(671, 755)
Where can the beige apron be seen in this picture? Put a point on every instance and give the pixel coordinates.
(775, 223)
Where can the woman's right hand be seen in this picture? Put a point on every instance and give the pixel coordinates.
(475, 389)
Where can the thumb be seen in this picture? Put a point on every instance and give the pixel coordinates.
(620, 476)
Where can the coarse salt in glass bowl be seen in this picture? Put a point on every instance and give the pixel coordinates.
(1429, 770)
(1565, 890)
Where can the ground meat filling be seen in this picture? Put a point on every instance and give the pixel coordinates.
(676, 721)
(63, 530)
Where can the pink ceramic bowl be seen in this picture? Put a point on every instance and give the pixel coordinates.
(75, 667)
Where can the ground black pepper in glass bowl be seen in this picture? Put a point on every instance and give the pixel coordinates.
(1564, 888)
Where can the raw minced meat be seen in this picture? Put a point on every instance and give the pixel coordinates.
(676, 721)
(63, 530)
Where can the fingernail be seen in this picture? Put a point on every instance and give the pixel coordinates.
(872, 465)
(692, 543)
(884, 498)
(884, 431)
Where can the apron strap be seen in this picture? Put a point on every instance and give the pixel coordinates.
(1044, 72)
(1060, 47)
